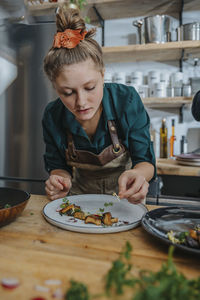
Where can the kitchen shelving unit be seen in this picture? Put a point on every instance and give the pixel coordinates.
(155, 52)
(175, 102)
(114, 9)
(117, 9)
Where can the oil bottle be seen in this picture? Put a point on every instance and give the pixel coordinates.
(172, 139)
(163, 140)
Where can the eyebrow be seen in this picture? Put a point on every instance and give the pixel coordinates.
(71, 88)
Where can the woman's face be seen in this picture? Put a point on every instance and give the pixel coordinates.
(80, 88)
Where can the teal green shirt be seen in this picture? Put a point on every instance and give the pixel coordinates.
(122, 104)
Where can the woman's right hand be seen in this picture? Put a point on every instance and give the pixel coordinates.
(57, 186)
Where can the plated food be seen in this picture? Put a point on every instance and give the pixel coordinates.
(179, 226)
(110, 214)
(99, 218)
(190, 238)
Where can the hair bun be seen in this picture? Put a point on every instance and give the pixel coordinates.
(69, 18)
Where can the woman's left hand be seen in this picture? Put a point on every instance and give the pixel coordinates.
(132, 186)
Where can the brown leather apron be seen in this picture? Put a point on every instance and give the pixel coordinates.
(97, 174)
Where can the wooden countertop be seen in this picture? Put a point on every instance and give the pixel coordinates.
(171, 167)
(34, 251)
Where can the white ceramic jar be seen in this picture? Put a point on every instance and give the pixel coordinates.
(153, 77)
(176, 79)
(119, 77)
(159, 90)
(136, 78)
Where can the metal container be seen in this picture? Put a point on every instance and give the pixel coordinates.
(190, 31)
(154, 29)
(187, 90)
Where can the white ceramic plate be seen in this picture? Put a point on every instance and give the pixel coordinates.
(129, 215)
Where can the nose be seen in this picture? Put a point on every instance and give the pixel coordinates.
(81, 99)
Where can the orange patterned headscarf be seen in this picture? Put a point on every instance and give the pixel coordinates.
(68, 39)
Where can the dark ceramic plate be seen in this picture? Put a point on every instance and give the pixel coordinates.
(161, 220)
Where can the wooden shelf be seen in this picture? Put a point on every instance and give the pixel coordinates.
(166, 102)
(117, 9)
(171, 167)
(152, 52)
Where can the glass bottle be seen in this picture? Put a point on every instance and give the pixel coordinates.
(172, 139)
(163, 140)
(183, 145)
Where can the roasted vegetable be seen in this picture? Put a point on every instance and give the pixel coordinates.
(106, 219)
(94, 219)
(67, 208)
(79, 215)
(114, 220)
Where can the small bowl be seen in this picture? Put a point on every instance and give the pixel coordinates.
(16, 199)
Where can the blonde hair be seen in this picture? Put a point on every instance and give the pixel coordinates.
(88, 48)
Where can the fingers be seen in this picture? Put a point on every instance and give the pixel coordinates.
(54, 183)
(132, 187)
(57, 195)
(140, 195)
(57, 187)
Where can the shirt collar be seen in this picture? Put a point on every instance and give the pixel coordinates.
(108, 109)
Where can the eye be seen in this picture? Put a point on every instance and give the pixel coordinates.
(90, 88)
(67, 94)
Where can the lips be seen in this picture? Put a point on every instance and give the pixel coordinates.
(83, 111)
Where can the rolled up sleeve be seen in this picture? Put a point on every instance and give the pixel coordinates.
(54, 156)
(139, 141)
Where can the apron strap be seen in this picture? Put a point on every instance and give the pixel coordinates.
(71, 146)
(114, 136)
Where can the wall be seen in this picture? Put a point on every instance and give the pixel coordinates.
(122, 32)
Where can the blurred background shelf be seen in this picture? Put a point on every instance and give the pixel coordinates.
(117, 9)
(175, 102)
(155, 52)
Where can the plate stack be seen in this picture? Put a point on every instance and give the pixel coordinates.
(189, 159)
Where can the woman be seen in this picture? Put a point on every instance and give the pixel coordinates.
(97, 135)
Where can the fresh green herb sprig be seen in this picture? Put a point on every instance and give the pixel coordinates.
(119, 275)
(166, 284)
(77, 291)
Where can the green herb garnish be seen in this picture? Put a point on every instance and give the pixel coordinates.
(77, 291)
(108, 204)
(7, 205)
